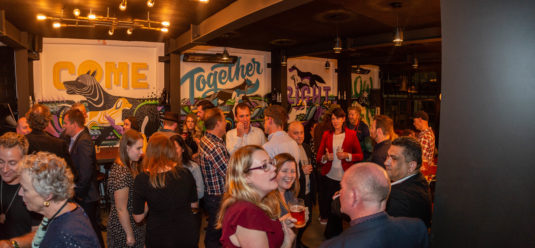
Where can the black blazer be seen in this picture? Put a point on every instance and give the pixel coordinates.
(85, 163)
(383, 231)
(411, 198)
(302, 179)
(41, 141)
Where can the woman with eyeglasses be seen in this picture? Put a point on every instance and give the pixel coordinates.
(247, 217)
(46, 187)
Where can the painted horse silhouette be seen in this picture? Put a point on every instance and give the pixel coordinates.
(102, 103)
(312, 79)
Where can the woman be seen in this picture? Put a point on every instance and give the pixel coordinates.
(287, 186)
(247, 218)
(190, 133)
(184, 157)
(122, 229)
(338, 150)
(166, 189)
(46, 187)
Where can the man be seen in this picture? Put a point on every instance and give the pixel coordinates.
(354, 123)
(275, 118)
(426, 137)
(410, 195)
(382, 131)
(84, 160)
(363, 197)
(17, 224)
(22, 126)
(170, 124)
(213, 158)
(202, 106)
(307, 179)
(244, 134)
(39, 140)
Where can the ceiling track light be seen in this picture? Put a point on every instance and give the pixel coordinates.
(398, 33)
(150, 3)
(122, 6)
(112, 23)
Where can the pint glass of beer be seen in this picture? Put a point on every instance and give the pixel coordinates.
(297, 210)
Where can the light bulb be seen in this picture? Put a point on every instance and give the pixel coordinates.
(111, 31)
(203, 1)
(122, 6)
(41, 17)
(56, 25)
(129, 31)
(150, 3)
(76, 12)
(165, 30)
(165, 23)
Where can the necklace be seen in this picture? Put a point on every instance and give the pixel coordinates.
(3, 213)
(45, 225)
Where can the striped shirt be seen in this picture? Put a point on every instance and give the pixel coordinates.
(213, 157)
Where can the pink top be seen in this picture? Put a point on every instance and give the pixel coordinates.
(250, 216)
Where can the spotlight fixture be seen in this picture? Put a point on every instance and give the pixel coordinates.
(337, 45)
(150, 3)
(122, 6)
(203, 1)
(111, 23)
(398, 35)
(327, 64)
(415, 63)
(225, 55)
(284, 61)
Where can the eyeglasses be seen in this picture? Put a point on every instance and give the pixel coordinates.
(265, 166)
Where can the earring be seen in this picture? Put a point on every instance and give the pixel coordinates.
(46, 203)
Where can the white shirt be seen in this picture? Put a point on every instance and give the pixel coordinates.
(255, 137)
(337, 172)
(73, 139)
(402, 179)
(280, 142)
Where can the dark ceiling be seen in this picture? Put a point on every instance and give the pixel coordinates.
(365, 26)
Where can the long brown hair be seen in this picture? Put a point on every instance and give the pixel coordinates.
(129, 138)
(237, 188)
(161, 154)
(281, 159)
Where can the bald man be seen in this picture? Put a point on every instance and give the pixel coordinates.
(307, 175)
(363, 197)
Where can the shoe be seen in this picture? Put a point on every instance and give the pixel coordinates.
(323, 221)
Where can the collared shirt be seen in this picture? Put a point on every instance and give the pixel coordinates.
(280, 142)
(255, 137)
(213, 158)
(402, 179)
(73, 139)
(366, 218)
(303, 160)
(427, 140)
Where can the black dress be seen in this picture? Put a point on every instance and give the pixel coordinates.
(170, 219)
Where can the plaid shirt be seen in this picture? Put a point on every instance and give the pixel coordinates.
(213, 156)
(427, 140)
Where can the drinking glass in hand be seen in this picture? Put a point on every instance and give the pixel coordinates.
(297, 210)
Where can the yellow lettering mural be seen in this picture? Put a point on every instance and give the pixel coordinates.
(90, 65)
(118, 72)
(56, 71)
(137, 77)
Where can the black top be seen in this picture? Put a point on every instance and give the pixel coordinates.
(84, 159)
(40, 141)
(380, 152)
(170, 219)
(19, 220)
(411, 198)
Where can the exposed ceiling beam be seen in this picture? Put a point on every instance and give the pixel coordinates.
(238, 14)
(11, 36)
(416, 36)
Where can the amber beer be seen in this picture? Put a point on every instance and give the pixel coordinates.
(297, 210)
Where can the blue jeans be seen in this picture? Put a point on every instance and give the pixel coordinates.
(212, 235)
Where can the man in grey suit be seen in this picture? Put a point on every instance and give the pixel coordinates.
(363, 196)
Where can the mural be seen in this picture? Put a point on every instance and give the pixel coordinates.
(225, 85)
(361, 86)
(111, 89)
(311, 87)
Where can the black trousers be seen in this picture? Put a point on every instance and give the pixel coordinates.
(334, 224)
(91, 208)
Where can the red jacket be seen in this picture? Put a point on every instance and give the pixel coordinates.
(351, 144)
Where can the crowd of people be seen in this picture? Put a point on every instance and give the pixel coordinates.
(243, 180)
